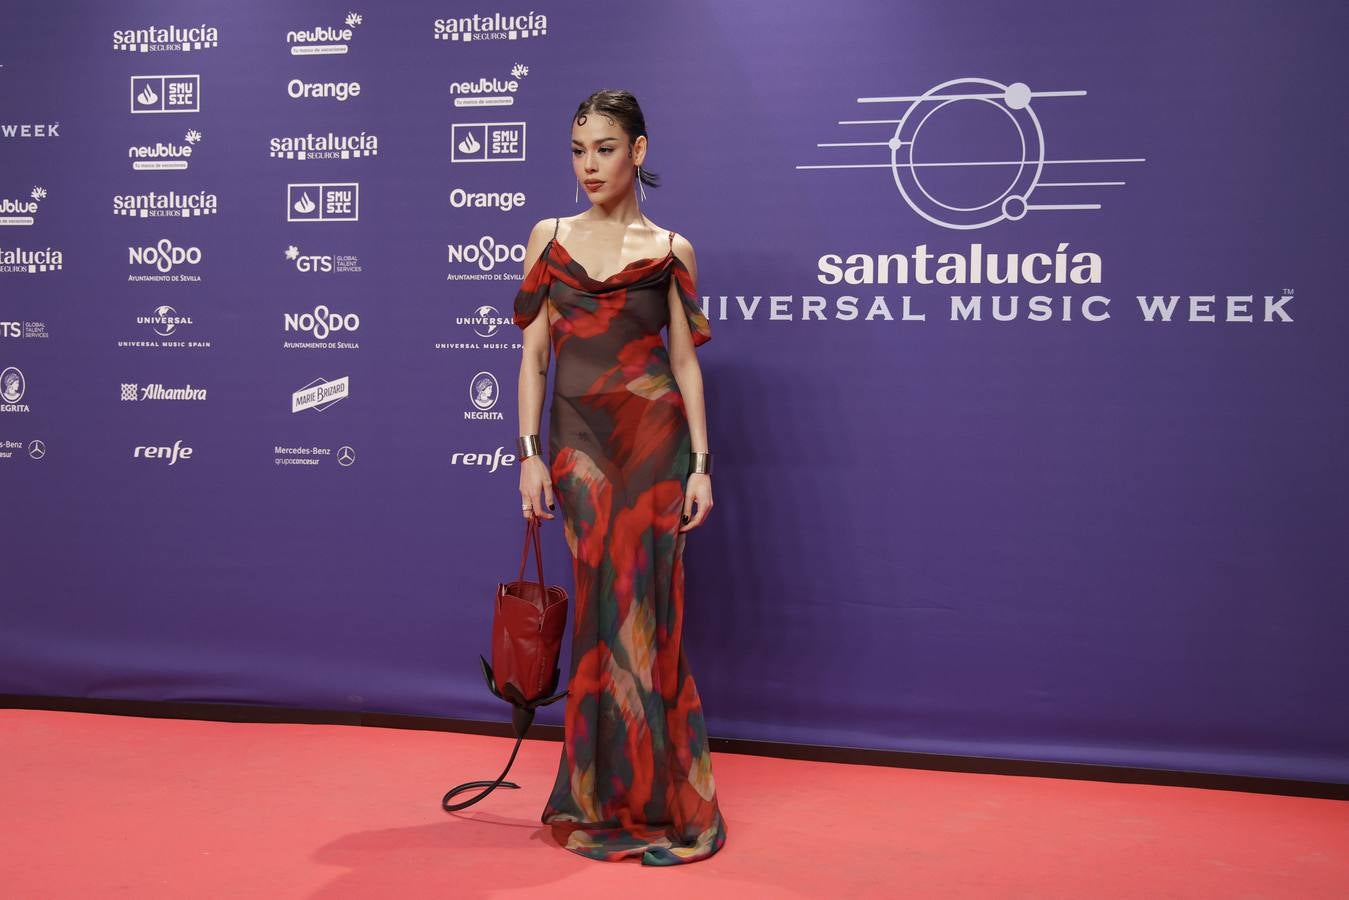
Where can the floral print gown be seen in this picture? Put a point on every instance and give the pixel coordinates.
(635, 776)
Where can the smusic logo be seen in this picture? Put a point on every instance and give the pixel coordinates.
(487, 142)
(332, 202)
(165, 94)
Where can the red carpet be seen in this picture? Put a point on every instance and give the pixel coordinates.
(114, 806)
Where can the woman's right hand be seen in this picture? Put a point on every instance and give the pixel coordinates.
(536, 482)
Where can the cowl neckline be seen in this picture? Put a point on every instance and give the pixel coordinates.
(637, 268)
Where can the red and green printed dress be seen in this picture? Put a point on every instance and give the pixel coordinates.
(635, 777)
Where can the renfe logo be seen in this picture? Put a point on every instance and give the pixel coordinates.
(172, 454)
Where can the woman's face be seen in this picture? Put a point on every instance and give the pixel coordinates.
(601, 159)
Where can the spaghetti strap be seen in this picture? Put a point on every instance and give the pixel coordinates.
(672, 240)
(556, 222)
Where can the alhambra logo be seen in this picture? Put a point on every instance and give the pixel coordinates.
(1009, 176)
(310, 146)
(166, 38)
(494, 27)
(324, 40)
(164, 157)
(140, 392)
(21, 211)
(489, 91)
(154, 204)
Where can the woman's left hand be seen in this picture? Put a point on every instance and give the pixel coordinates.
(699, 490)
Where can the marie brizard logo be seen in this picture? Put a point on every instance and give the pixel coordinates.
(320, 394)
(974, 193)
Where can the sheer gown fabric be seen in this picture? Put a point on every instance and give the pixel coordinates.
(635, 775)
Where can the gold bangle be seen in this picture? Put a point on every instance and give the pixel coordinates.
(528, 445)
(701, 463)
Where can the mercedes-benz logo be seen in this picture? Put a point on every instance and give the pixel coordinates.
(37, 449)
(345, 455)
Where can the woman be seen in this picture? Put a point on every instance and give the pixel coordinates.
(630, 465)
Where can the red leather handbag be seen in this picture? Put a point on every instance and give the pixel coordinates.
(527, 630)
(528, 621)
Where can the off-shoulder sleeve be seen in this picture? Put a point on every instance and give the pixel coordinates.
(699, 328)
(533, 290)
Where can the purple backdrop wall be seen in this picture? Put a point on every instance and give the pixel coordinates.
(1052, 537)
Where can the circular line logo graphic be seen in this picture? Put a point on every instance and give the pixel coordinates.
(1013, 101)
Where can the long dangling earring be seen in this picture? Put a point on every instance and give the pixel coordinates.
(641, 186)
(577, 198)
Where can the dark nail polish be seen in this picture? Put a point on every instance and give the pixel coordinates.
(686, 520)
(550, 506)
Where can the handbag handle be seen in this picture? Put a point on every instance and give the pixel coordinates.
(532, 531)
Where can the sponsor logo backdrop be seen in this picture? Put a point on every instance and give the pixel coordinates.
(1027, 389)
